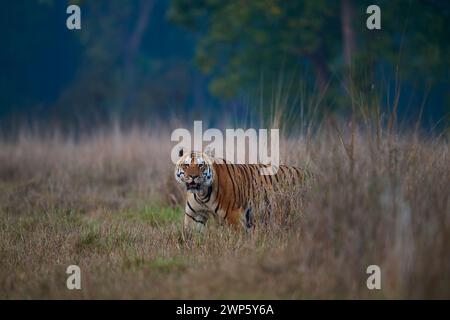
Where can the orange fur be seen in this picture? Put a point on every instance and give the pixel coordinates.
(234, 189)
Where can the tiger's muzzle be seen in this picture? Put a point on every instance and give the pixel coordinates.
(194, 184)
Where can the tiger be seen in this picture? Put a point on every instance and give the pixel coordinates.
(226, 192)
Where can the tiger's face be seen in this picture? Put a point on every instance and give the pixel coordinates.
(194, 170)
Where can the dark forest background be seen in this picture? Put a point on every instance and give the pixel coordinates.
(148, 61)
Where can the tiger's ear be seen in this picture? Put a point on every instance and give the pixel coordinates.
(180, 152)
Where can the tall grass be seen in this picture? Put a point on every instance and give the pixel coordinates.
(108, 202)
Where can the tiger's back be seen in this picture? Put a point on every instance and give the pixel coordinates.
(244, 187)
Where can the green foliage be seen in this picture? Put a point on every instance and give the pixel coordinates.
(245, 43)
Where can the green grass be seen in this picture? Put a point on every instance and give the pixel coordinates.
(165, 265)
(157, 216)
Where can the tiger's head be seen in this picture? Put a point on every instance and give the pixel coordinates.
(195, 171)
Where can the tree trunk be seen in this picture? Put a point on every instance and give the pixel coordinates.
(321, 70)
(348, 34)
(132, 50)
(348, 40)
(319, 65)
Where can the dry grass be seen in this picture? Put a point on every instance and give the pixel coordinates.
(105, 203)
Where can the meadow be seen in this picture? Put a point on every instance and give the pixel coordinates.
(108, 202)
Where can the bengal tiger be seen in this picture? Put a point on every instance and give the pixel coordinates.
(224, 191)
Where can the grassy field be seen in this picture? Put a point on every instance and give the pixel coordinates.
(108, 202)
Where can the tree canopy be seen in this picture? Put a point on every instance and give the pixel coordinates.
(241, 42)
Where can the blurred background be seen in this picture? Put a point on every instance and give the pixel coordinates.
(147, 61)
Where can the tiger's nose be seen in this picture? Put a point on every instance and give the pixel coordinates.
(194, 177)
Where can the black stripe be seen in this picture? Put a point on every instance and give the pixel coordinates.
(248, 218)
(217, 195)
(248, 186)
(270, 178)
(256, 173)
(265, 176)
(276, 176)
(198, 201)
(189, 205)
(300, 174)
(193, 218)
(232, 183)
(226, 212)
(293, 175)
(236, 168)
(217, 208)
(208, 195)
(283, 174)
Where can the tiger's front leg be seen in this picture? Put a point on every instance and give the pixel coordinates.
(194, 221)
